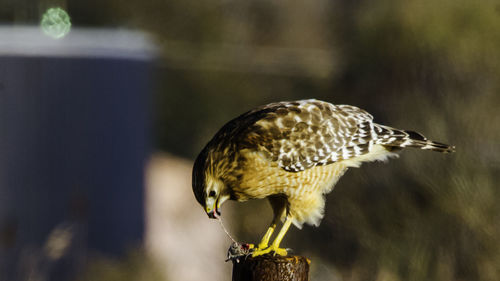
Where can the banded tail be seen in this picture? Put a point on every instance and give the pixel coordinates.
(395, 138)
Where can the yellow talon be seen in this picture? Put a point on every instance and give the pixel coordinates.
(280, 251)
(276, 250)
(276, 243)
(265, 240)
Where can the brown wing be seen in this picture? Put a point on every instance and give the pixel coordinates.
(302, 134)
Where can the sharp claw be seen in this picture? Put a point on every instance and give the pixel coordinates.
(276, 251)
(280, 252)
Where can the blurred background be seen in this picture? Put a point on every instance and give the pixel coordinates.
(101, 123)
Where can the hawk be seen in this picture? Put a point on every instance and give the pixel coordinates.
(293, 153)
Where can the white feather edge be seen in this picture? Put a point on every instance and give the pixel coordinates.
(377, 153)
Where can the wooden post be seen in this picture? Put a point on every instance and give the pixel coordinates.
(271, 268)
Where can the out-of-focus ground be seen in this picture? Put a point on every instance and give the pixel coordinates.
(179, 235)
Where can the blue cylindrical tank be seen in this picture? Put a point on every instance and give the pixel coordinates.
(73, 144)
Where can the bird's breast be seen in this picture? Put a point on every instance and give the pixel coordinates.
(262, 177)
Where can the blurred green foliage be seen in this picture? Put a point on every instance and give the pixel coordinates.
(429, 66)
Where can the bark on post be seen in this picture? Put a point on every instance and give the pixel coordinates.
(271, 268)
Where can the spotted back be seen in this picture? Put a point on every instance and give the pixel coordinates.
(301, 134)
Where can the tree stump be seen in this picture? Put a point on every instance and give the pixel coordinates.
(271, 268)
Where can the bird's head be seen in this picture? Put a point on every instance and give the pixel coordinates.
(215, 193)
(209, 190)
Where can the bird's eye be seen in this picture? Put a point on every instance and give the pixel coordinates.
(212, 193)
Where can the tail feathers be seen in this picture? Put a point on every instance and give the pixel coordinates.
(395, 138)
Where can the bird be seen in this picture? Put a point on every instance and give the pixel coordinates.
(293, 153)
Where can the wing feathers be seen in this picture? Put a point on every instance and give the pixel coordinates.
(302, 134)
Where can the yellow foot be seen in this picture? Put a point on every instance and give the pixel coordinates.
(277, 251)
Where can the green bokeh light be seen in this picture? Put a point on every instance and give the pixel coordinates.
(55, 23)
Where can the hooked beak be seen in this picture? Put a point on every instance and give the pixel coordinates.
(213, 211)
(214, 214)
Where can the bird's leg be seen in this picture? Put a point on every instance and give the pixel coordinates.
(278, 203)
(264, 242)
(276, 243)
(265, 239)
